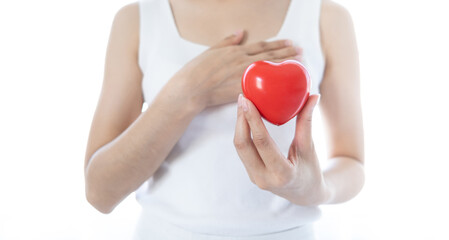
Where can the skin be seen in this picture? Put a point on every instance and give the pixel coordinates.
(126, 146)
(299, 177)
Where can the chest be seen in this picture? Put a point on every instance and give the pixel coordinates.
(207, 22)
(163, 51)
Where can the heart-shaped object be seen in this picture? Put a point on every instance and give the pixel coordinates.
(278, 90)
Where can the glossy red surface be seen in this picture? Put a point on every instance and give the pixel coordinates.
(278, 90)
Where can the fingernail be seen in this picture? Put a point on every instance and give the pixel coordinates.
(244, 104)
(288, 42)
(240, 100)
(236, 33)
(298, 50)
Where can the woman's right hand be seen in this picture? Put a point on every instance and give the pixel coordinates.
(214, 77)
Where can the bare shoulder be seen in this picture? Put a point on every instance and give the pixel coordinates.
(336, 25)
(334, 14)
(130, 10)
(332, 7)
(126, 23)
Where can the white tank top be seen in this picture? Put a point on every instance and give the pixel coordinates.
(202, 185)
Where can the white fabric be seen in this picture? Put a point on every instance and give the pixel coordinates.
(151, 227)
(203, 186)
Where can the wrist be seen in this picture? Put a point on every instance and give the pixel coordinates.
(320, 194)
(180, 94)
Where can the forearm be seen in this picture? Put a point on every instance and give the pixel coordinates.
(121, 166)
(344, 178)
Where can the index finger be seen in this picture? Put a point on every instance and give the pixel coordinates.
(265, 145)
(263, 46)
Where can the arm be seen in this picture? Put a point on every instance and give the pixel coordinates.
(299, 176)
(340, 105)
(126, 146)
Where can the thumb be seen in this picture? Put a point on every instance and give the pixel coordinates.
(303, 132)
(233, 39)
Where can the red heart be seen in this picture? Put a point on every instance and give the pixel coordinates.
(278, 90)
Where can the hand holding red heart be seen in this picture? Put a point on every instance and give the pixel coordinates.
(297, 177)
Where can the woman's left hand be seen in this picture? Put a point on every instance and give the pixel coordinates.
(298, 177)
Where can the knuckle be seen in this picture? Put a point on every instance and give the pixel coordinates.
(262, 44)
(292, 51)
(287, 53)
(260, 140)
(262, 184)
(280, 43)
(309, 120)
(281, 180)
(240, 144)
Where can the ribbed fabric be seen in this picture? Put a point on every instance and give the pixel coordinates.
(202, 186)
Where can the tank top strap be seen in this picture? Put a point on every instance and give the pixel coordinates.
(289, 19)
(169, 19)
(301, 14)
(302, 26)
(153, 25)
(158, 31)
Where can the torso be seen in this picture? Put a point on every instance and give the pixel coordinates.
(178, 191)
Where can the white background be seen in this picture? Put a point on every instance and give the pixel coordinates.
(51, 69)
